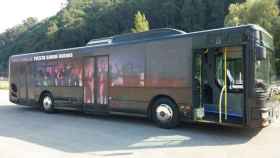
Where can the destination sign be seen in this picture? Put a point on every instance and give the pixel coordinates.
(53, 57)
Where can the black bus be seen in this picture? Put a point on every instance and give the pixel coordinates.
(224, 76)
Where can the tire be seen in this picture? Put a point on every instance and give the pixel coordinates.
(165, 113)
(47, 103)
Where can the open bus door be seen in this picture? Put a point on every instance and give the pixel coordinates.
(218, 89)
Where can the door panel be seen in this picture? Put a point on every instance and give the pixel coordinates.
(230, 74)
(102, 80)
(89, 84)
(96, 81)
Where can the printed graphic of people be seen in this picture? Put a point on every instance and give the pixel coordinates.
(60, 74)
(102, 79)
(101, 88)
(89, 83)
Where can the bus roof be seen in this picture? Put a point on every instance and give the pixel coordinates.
(148, 35)
(152, 35)
(160, 33)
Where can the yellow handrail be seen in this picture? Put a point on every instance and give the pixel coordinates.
(225, 67)
(200, 83)
(220, 104)
(224, 90)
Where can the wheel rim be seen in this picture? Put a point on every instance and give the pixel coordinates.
(164, 112)
(47, 102)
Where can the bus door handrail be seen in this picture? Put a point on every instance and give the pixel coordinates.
(224, 90)
(220, 104)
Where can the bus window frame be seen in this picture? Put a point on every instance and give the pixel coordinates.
(217, 82)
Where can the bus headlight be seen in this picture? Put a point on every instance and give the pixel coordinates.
(265, 115)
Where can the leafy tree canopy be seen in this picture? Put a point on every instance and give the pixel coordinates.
(264, 13)
(141, 24)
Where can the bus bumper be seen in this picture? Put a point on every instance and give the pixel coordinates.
(270, 115)
(265, 116)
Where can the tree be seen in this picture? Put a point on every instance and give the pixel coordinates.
(203, 14)
(141, 24)
(30, 22)
(52, 29)
(263, 13)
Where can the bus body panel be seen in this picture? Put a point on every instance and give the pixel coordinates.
(143, 71)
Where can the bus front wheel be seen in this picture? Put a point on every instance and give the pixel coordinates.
(47, 103)
(165, 113)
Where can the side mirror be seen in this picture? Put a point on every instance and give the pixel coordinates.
(260, 53)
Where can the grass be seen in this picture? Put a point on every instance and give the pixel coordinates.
(4, 85)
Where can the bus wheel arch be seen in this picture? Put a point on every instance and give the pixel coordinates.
(166, 103)
(46, 101)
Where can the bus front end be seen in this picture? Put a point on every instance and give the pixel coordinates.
(265, 106)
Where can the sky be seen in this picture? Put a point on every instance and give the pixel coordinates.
(13, 12)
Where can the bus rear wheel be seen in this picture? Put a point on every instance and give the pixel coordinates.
(47, 103)
(165, 113)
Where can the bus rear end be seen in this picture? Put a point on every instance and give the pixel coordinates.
(17, 81)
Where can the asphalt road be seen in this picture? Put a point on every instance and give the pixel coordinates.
(28, 133)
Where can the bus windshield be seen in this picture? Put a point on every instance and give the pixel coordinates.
(266, 70)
